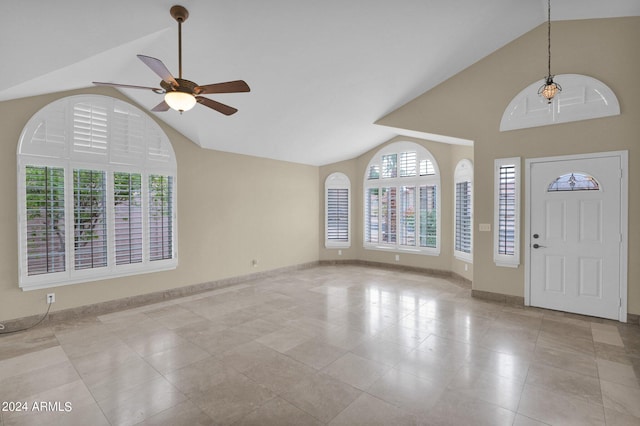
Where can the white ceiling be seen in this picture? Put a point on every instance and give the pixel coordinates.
(321, 72)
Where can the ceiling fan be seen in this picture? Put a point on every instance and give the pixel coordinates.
(181, 94)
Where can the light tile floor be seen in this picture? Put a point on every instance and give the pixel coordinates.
(337, 345)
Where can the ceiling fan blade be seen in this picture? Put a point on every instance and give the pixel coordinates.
(222, 108)
(159, 68)
(161, 107)
(129, 86)
(227, 87)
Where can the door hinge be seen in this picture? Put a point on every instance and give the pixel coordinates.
(620, 303)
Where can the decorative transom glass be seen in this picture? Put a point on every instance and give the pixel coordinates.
(574, 181)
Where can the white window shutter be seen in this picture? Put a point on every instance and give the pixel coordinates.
(337, 211)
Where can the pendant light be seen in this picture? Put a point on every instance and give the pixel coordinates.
(550, 88)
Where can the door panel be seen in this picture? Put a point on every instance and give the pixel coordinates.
(554, 274)
(575, 259)
(590, 277)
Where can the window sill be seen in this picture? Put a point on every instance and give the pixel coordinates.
(38, 282)
(334, 245)
(506, 265)
(463, 257)
(410, 250)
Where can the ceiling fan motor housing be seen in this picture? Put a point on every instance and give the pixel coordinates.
(186, 86)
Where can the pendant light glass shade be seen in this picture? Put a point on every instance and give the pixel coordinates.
(180, 101)
(549, 89)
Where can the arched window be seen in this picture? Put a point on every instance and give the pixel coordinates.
(96, 193)
(402, 200)
(463, 215)
(337, 211)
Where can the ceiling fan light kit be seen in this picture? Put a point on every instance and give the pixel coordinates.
(180, 94)
(180, 101)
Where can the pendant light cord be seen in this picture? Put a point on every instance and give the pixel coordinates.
(549, 34)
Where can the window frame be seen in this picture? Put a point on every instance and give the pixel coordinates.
(337, 181)
(154, 155)
(397, 181)
(463, 173)
(500, 259)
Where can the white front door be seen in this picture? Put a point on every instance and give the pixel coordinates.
(575, 235)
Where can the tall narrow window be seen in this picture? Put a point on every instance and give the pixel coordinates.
(463, 178)
(428, 216)
(337, 211)
(45, 230)
(401, 201)
(371, 212)
(388, 214)
(127, 202)
(407, 218)
(160, 217)
(89, 219)
(96, 192)
(507, 212)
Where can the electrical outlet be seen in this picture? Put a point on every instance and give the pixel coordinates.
(339, 252)
(254, 263)
(51, 298)
(397, 258)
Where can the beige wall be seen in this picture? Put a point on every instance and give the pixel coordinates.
(274, 211)
(447, 157)
(470, 105)
(231, 209)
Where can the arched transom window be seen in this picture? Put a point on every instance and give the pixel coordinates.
(96, 193)
(402, 200)
(574, 181)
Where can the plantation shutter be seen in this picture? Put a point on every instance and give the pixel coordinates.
(90, 224)
(160, 217)
(45, 239)
(128, 137)
(388, 214)
(507, 210)
(407, 215)
(389, 166)
(90, 129)
(371, 216)
(428, 216)
(338, 214)
(408, 163)
(463, 217)
(128, 217)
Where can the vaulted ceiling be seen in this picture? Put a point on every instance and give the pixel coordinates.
(321, 72)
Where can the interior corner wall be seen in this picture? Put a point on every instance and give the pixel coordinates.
(232, 209)
(470, 105)
(447, 156)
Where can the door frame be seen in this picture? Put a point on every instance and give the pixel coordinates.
(624, 220)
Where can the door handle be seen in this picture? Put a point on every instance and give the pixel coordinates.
(535, 246)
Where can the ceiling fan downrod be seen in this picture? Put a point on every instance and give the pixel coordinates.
(180, 14)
